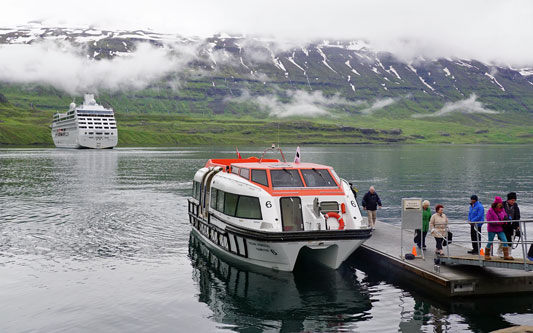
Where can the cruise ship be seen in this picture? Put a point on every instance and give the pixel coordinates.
(270, 213)
(89, 125)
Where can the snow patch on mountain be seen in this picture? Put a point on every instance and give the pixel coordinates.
(325, 59)
(392, 70)
(420, 78)
(350, 66)
(495, 81)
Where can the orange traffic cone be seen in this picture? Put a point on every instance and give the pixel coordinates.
(481, 252)
(414, 251)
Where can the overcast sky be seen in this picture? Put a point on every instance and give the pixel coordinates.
(498, 31)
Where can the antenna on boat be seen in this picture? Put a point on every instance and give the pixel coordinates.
(278, 133)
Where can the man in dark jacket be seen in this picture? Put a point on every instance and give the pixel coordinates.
(370, 203)
(513, 213)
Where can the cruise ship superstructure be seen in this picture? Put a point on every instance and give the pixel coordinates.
(89, 125)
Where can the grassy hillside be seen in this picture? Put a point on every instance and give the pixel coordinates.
(25, 126)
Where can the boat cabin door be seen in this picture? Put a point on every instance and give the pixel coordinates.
(291, 214)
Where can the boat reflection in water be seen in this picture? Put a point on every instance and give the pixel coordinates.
(312, 298)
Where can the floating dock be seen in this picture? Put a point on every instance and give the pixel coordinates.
(466, 279)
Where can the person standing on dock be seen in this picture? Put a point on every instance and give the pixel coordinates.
(438, 225)
(476, 213)
(513, 213)
(420, 235)
(496, 215)
(370, 203)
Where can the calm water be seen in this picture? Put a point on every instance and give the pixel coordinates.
(100, 241)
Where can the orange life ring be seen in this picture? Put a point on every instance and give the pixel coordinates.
(338, 217)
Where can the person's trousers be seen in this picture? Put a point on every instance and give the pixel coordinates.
(509, 236)
(439, 240)
(475, 236)
(371, 218)
(501, 236)
(420, 237)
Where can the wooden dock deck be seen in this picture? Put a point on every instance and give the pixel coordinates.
(383, 249)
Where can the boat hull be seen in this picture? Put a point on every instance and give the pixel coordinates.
(74, 138)
(276, 250)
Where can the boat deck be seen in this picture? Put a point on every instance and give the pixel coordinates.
(383, 248)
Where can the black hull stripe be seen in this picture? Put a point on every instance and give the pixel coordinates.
(291, 236)
(300, 236)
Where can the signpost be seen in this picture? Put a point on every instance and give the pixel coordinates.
(411, 219)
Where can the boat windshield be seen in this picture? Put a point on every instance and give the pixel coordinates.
(318, 178)
(286, 178)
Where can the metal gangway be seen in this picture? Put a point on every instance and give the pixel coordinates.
(452, 257)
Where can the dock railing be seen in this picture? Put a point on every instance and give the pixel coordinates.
(482, 239)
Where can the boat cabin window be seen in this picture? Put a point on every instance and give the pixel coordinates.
(318, 178)
(235, 170)
(213, 201)
(241, 206)
(230, 203)
(286, 178)
(195, 190)
(260, 177)
(329, 206)
(248, 207)
(245, 173)
(220, 201)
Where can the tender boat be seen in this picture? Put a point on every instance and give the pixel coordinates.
(270, 213)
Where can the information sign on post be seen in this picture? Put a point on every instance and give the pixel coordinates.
(411, 217)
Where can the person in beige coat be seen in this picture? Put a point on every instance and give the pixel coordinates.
(438, 225)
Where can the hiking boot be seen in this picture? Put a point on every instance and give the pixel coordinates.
(487, 253)
(506, 255)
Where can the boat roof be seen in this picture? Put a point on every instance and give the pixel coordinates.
(254, 163)
(238, 164)
(229, 161)
(280, 165)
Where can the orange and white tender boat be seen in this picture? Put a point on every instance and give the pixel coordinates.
(270, 213)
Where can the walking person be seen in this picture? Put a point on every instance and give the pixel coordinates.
(438, 224)
(370, 203)
(496, 213)
(420, 234)
(513, 213)
(476, 213)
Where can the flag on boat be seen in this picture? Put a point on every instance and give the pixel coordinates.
(297, 157)
(238, 154)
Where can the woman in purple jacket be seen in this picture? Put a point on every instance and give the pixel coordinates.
(496, 213)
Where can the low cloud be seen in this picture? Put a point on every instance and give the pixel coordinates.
(490, 31)
(379, 104)
(465, 106)
(66, 67)
(301, 103)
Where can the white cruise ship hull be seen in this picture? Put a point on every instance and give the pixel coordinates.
(278, 251)
(76, 138)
